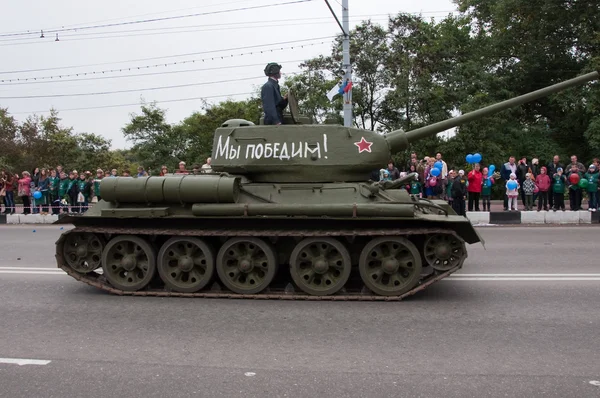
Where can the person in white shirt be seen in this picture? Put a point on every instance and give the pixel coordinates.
(206, 167)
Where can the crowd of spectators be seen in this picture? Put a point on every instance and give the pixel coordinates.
(54, 190)
(538, 186)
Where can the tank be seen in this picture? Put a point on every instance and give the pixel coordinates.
(287, 212)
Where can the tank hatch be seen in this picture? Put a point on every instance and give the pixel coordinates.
(237, 123)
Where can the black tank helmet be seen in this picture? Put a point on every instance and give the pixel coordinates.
(272, 68)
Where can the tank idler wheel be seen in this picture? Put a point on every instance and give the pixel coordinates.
(186, 264)
(129, 262)
(444, 251)
(246, 265)
(320, 266)
(83, 251)
(390, 265)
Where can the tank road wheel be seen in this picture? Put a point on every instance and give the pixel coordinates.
(186, 264)
(246, 265)
(320, 266)
(390, 266)
(129, 262)
(444, 251)
(83, 252)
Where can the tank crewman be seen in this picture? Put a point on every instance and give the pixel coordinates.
(272, 101)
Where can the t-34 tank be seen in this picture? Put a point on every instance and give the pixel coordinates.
(287, 212)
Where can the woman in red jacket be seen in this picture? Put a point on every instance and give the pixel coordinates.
(475, 179)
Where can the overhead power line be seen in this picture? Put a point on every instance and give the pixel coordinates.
(166, 56)
(88, 79)
(126, 69)
(204, 28)
(164, 31)
(134, 90)
(135, 103)
(141, 21)
(147, 14)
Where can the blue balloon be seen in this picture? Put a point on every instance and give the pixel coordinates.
(37, 194)
(512, 184)
(435, 172)
(476, 158)
(438, 165)
(491, 169)
(469, 158)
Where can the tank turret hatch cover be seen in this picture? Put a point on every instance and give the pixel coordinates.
(237, 123)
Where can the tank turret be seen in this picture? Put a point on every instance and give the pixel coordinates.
(328, 153)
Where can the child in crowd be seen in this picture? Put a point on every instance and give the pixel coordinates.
(512, 193)
(384, 175)
(543, 183)
(559, 182)
(575, 194)
(415, 188)
(528, 188)
(486, 189)
(592, 187)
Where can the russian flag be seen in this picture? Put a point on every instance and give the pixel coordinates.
(348, 86)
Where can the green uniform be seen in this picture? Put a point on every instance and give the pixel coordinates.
(82, 184)
(486, 189)
(558, 183)
(53, 184)
(415, 188)
(97, 187)
(63, 188)
(449, 188)
(592, 179)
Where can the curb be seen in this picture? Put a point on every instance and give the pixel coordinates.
(28, 218)
(476, 217)
(534, 217)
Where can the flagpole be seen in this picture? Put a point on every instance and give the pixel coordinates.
(346, 64)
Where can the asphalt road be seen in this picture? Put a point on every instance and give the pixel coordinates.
(487, 333)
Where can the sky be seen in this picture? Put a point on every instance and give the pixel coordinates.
(178, 53)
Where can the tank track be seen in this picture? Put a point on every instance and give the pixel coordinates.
(99, 281)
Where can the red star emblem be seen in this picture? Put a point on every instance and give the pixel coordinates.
(363, 145)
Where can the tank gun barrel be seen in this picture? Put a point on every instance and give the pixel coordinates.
(399, 140)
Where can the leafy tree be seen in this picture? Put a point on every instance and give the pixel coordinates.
(156, 142)
(9, 129)
(534, 43)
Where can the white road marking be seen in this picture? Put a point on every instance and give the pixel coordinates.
(249, 374)
(32, 268)
(531, 278)
(595, 383)
(451, 278)
(508, 275)
(32, 272)
(21, 361)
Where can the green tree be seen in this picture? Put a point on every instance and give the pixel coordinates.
(534, 43)
(155, 141)
(9, 129)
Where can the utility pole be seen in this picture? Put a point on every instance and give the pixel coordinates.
(346, 67)
(346, 63)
